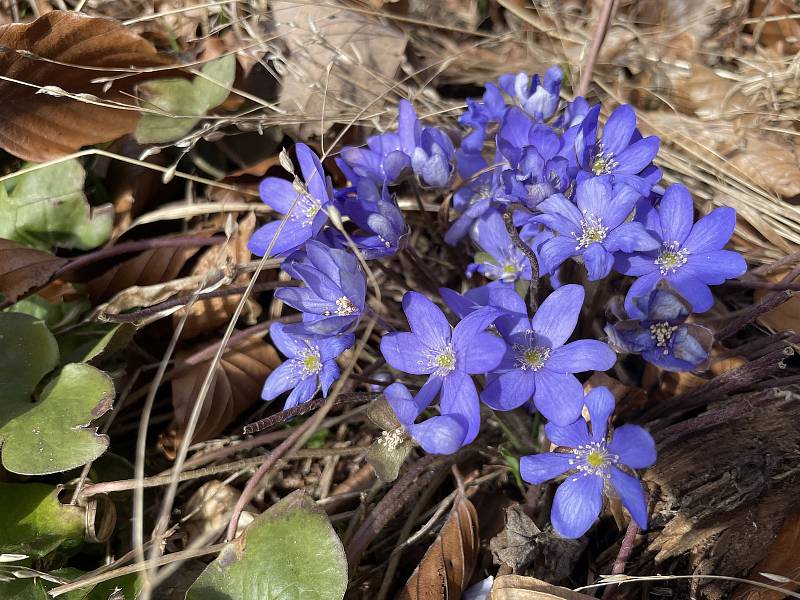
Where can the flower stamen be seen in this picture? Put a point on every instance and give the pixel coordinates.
(671, 258)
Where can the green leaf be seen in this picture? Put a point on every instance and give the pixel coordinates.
(187, 101)
(92, 341)
(54, 314)
(47, 208)
(34, 522)
(50, 435)
(289, 552)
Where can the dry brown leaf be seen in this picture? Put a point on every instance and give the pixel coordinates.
(773, 165)
(447, 566)
(782, 34)
(23, 268)
(240, 377)
(517, 587)
(42, 126)
(338, 60)
(148, 268)
(209, 509)
(207, 315)
(781, 560)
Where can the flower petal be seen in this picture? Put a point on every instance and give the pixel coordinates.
(313, 174)
(282, 379)
(556, 318)
(278, 238)
(482, 354)
(635, 265)
(716, 266)
(640, 287)
(619, 129)
(459, 396)
(712, 231)
(630, 237)
(426, 320)
(444, 434)
(538, 468)
(600, 403)
(472, 325)
(278, 194)
(303, 392)
(676, 213)
(290, 345)
(593, 196)
(405, 352)
(555, 251)
(509, 390)
(329, 374)
(598, 261)
(558, 396)
(570, 436)
(692, 289)
(631, 493)
(637, 156)
(634, 446)
(577, 505)
(558, 204)
(331, 347)
(582, 355)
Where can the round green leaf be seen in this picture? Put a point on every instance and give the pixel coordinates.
(290, 552)
(34, 522)
(51, 434)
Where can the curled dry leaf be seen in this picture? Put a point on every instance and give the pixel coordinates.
(207, 315)
(69, 51)
(209, 509)
(516, 587)
(237, 386)
(447, 566)
(23, 269)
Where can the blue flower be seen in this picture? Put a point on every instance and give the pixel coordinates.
(536, 97)
(500, 259)
(303, 205)
(596, 229)
(663, 337)
(448, 357)
(538, 363)
(310, 364)
(491, 109)
(621, 151)
(497, 293)
(376, 213)
(689, 255)
(475, 196)
(593, 463)
(333, 298)
(441, 434)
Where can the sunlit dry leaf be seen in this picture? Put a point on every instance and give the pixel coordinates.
(447, 566)
(23, 268)
(517, 587)
(239, 379)
(785, 317)
(773, 165)
(40, 127)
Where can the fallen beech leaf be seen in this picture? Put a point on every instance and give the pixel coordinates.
(23, 268)
(773, 165)
(447, 566)
(785, 317)
(337, 60)
(517, 587)
(148, 268)
(238, 384)
(207, 315)
(40, 127)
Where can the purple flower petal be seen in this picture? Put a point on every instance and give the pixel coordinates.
(278, 238)
(593, 196)
(332, 346)
(574, 435)
(558, 396)
(426, 320)
(555, 251)
(290, 345)
(630, 237)
(692, 289)
(509, 390)
(402, 402)
(278, 193)
(582, 355)
(281, 380)
(619, 129)
(538, 468)
(635, 265)
(577, 505)
(558, 204)
(640, 287)
(405, 352)
(408, 126)
(444, 434)
(600, 403)
(714, 267)
(303, 392)
(481, 354)
(676, 213)
(313, 173)
(597, 261)
(711, 232)
(632, 495)
(329, 374)
(460, 396)
(637, 156)
(634, 446)
(556, 318)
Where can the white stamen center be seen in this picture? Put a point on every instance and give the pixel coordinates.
(345, 307)
(603, 162)
(309, 361)
(592, 231)
(593, 458)
(661, 334)
(671, 258)
(442, 360)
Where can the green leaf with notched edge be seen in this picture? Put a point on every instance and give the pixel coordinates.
(34, 522)
(92, 341)
(184, 102)
(50, 434)
(290, 552)
(47, 208)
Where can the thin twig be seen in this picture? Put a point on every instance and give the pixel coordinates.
(508, 220)
(624, 553)
(597, 42)
(305, 407)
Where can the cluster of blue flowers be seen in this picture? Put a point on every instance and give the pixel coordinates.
(576, 195)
